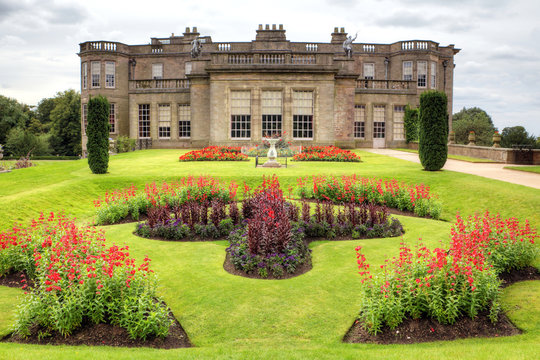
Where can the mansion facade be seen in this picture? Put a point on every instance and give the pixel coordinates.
(188, 91)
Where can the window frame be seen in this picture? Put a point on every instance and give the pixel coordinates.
(359, 122)
(84, 115)
(367, 66)
(271, 120)
(379, 127)
(433, 75)
(162, 120)
(240, 124)
(398, 123)
(84, 75)
(405, 73)
(299, 118)
(98, 74)
(112, 118)
(144, 110)
(186, 120)
(108, 84)
(421, 77)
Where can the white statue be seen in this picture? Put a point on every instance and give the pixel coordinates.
(196, 47)
(347, 45)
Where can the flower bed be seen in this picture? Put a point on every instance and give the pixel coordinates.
(215, 153)
(445, 284)
(326, 153)
(78, 279)
(119, 204)
(394, 194)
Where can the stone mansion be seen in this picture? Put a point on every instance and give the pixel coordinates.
(188, 91)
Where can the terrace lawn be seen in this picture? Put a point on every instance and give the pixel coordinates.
(533, 169)
(234, 317)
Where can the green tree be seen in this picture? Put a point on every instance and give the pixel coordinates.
(473, 119)
(433, 130)
(410, 121)
(98, 134)
(21, 143)
(516, 135)
(43, 113)
(66, 123)
(12, 114)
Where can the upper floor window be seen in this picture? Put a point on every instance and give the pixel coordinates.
(422, 73)
(407, 70)
(303, 114)
(433, 75)
(110, 76)
(96, 73)
(157, 71)
(369, 71)
(241, 114)
(84, 75)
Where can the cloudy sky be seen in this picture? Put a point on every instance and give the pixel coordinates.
(498, 68)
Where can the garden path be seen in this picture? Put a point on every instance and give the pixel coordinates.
(489, 170)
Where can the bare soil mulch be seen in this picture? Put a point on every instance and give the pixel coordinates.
(229, 267)
(15, 280)
(425, 330)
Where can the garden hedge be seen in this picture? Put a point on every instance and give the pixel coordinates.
(411, 124)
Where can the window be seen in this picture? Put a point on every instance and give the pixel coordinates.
(164, 121)
(359, 121)
(187, 68)
(184, 121)
(271, 113)
(84, 75)
(378, 121)
(112, 118)
(144, 121)
(241, 114)
(85, 117)
(369, 71)
(157, 71)
(433, 75)
(407, 70)
(303, 114)
(109, 75)
(422, 73)
(96, 73)
(399, 113)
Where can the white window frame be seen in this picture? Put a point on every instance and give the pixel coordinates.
(164, 121)
(407, 70)
(157, 71)
(240, 123)
(112, 118)
(272, 113)
(421, 73)
(84, 75)
(433, 75)
(359, 124)
(399, 125)
(184, 121)
(303, 114)
(110, 76)
(95, 70)
(369, 71)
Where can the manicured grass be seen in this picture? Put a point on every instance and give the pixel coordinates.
(233, 317)
(533, 169)
(456, 157)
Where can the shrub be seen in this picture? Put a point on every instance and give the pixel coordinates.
(98, 134)
(433, 130)
(78, 279)
(410, 122)
(326, 153)
(125, 144)
(22, 143)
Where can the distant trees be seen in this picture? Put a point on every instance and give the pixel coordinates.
(433, 130)
(65, 118)
(517, 135)
(12, 114)
(473, 119)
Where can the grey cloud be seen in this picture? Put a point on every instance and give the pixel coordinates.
(46, 11)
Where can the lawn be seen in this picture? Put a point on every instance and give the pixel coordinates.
(233, 317)
(533, 169)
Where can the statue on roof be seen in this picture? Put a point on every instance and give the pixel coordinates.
(196, 47)
(347, 45)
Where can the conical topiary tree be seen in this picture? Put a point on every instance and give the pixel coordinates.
(97, 132)
(433, 130)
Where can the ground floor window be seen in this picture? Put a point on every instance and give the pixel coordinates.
(112, 119)
(164, 120)
(241, 114)
(359, 121)
(399, 131)
(379, 122)
(184, 121)
(271, 110)
(303, 114)
(144, 121)
(85, 117)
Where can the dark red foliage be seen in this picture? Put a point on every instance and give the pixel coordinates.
(158, 215)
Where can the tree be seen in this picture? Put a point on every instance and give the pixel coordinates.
(516, 135)
(21, 143)
(473, 119)
(433, 130)
(410, 121)
(43, 113)
(66, 123)
(12, 114)
(98, 134)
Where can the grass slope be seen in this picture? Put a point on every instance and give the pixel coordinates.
(233, 317)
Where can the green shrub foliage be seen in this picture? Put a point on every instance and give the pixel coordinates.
(433, 130)
(98, 134)
(411, 124)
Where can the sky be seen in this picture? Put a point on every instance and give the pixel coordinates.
(498, 68)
